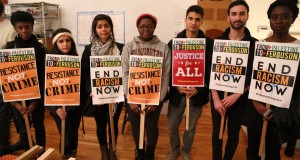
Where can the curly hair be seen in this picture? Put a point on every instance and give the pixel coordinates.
(291, 4)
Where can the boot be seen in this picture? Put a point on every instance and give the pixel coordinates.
(149, 153)
(104, 152)
(139, 154)
(112, 153)
(73, 153)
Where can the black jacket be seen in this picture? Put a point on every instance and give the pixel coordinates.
(202, 97)
(85, 88)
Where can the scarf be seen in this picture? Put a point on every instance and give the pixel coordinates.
(31, 42)
(100, 49)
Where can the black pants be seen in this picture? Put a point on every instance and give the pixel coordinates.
(234, 115)
(151, 126)
(4, 127)
(37, 119)
(72, 123)
(102, 121)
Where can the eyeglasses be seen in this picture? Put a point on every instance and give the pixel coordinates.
(282, 17)
(146, 27)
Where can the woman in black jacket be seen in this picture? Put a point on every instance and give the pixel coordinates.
(63, 44)
(102, 43)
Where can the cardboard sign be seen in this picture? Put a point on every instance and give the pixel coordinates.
(106, 79)
(62, 80)
(188, 62)
(274, 73)
(19, 80)
(144, 79)
(229, 65)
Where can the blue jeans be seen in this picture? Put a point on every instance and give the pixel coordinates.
(175, 114)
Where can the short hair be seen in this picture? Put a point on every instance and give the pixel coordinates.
(146, 15)
(21, 16)
(291, 4)
(1, 8)
(195, 8)
(55, 49)
(94, 25)
(237, 3)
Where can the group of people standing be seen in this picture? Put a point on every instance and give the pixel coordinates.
(237, 108)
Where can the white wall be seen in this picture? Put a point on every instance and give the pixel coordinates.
(258, 16)
(167, 11)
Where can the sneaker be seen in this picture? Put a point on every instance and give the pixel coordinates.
(185, 155)
(172, 155)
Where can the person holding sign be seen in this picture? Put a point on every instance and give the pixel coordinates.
(63, 44)
(7, 33)
(102, 43)
(146, 44)
(23, 25)
(198, 95)
(282, 14)
(232, 106)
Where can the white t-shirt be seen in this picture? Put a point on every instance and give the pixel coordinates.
(7, 33)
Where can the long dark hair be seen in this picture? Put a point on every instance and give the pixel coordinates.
(55, 49)
(94, 25)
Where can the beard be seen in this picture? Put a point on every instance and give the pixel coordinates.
(239, 26)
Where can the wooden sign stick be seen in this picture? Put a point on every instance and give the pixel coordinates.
(63, 129)
(112, 127)
(222, 121)
(263, 134)
(142, 128)
(187, 113)
(27, 127)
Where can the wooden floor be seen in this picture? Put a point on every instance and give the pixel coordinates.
(89, 147)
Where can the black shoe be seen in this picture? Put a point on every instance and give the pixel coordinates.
(139, 154)
(16, 147)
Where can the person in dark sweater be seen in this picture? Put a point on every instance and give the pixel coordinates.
(102, 43)
(23, 24)
(232, 106)
(63, 44)
(198, 95)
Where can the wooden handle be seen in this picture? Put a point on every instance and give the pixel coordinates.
(112, 127)
(222, 121)
(142, 128)
(263, 135)
(27, 126)
(63, 127)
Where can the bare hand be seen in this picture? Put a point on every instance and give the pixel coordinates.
(261, 109)
(62, 114)
(135, 108)
(219, 107)
(182, 90)
(230, 100)
(191, 92)
(31, 107)
(19, 107)
(150, 108)
(91, 94)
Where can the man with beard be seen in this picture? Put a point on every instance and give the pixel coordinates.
(232, 106)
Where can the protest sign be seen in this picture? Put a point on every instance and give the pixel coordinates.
(106, 79)
(19, 80)
(274, 73)
(188, 62)
(144, 79)
(229, 65)
(62, 80)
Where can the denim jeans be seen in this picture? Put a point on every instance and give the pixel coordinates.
(175, 114)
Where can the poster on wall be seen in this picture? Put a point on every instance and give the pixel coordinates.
(19, 80)
(274, 73)
(144, 81)
(62, 80)
(106, 79)
(188, 62)
(229, 65)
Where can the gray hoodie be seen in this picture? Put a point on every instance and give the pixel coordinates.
(154, 48)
